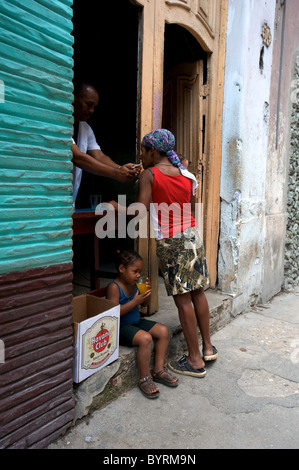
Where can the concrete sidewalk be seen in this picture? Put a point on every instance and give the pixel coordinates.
(249, 398)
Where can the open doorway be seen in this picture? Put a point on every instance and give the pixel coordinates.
(185, 103)
(181, 46)
(106, 55)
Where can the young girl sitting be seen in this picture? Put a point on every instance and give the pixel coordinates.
(136, 331)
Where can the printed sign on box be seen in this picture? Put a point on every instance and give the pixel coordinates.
(96, 332)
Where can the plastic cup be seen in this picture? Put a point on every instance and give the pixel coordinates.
(141, 284)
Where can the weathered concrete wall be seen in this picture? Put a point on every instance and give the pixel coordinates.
(292, 240)
(244, 149)
(277, 165)
(281, 155)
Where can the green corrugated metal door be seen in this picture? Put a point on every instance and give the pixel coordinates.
(36, 336)
(36, 74)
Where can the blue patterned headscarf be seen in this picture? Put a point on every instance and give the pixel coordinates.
(162, 140)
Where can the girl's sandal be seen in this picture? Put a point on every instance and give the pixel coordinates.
(165, 378)
(146, 385)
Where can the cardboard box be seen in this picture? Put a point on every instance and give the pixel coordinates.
(96, 334)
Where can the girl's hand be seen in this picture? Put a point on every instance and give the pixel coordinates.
(141, 298)
(148, 284)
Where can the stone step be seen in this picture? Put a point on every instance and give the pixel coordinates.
(122, 375)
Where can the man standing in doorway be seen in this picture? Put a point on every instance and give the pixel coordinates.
(87, 154)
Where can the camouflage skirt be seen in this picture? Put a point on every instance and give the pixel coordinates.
(182, 262)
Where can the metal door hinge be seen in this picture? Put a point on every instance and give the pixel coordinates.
(204, 90)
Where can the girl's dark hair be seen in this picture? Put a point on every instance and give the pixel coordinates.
(126, 257)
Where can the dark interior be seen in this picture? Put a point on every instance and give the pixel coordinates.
(181, 46)
(106, 55)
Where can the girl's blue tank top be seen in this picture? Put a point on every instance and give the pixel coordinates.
(132, 315)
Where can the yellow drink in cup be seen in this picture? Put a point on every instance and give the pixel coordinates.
(141, 284)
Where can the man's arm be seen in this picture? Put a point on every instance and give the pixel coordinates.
(98, 163)
(101, 157)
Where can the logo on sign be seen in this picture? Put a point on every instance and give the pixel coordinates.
(101, 340)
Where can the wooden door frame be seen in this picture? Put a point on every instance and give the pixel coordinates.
(153, 18)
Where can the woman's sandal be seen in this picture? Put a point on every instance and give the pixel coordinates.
(165, 378)
(146, 385)
(211, 357)
(183, 367)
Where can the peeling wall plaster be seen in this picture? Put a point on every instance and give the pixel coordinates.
(244, 151)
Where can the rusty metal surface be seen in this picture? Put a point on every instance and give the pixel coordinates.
(36, 385)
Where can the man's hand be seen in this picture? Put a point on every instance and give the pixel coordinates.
(96, 162)
(127, 172)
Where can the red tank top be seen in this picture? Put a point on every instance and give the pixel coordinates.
(171, 207)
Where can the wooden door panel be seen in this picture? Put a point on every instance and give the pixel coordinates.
(184, 113)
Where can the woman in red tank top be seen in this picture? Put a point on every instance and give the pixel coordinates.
(167, 189)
